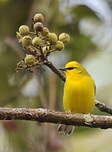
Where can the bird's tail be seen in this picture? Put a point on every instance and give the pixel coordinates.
(65, 129)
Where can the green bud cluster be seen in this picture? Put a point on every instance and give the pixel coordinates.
(24, 30)
(52, 37)
(64, 37)
(59, 45)
(40, 42)
(30, 60)
(38, 17)
(26, 41)
(38, 27)
(37, 41)
(45, 31)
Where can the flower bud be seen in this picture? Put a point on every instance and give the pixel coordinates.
(26, 41)
(45, 31)
(21, 65)
(36, 41)
(52, 37)
(29, 60)
(18, 35)
(24, 30)
(38, 27)
(64, 37)
(59, 45)
(38, 18)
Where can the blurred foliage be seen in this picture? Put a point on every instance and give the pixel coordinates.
(14, 13)
(82, 11)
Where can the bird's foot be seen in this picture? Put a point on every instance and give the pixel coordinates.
(65, 129)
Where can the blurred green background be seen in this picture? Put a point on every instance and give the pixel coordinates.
(89, 24)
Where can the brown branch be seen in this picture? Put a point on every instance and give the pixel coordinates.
(102, 107)
(45, 115)
(55, 70)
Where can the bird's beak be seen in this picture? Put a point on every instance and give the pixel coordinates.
(63, 69)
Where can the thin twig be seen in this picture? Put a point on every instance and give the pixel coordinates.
(55, 70)
(102, 107)
(45, 115)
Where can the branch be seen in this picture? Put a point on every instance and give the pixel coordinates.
(45, 115)
(102, 107)
(55, 70)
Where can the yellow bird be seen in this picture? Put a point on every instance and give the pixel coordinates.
(79, 92)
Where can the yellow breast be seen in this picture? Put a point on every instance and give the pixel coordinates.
(79, 94)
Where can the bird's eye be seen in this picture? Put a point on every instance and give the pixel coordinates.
(71, 68)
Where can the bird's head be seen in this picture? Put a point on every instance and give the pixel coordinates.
(74, 68)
